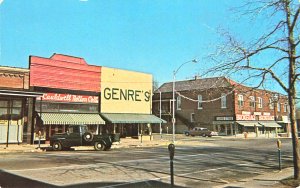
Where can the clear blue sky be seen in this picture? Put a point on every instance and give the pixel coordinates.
(152, 36)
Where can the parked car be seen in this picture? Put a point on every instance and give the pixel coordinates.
(78, 135)
(200, 131)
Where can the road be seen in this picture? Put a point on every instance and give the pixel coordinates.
(199, 162)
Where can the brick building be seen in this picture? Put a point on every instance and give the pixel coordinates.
(16, 107)
(222, 105)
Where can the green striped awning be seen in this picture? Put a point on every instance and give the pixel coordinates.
(269, 124)
(131, 118)
(249, 123)
(68, 119)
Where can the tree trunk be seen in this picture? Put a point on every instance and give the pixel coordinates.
(292, 90)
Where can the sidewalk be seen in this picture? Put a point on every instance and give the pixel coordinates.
(271, 179)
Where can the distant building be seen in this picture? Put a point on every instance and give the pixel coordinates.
(222, 105)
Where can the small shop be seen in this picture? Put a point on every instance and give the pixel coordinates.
(56, 111)
(71, 90)
(126, 102)
(14, 107)
(225, 125)
(131, 125)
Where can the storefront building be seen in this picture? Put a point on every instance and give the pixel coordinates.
(71, 90)
(126, 101)
(222, 105)
(78, 93)
(16, 106)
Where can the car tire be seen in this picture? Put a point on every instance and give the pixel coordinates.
(99, 146)
(88, 136)
(107, 147)
(187, 134)
(56, 146)
(204, 135)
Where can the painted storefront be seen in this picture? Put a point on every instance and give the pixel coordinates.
(71, 90)
(126, 101)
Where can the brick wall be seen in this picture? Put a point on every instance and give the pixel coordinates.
(265, 96)
(14, 78)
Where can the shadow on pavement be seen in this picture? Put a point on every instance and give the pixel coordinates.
(8, 180)
(11, 180)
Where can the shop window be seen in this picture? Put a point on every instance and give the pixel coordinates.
(3, 111)
(240, 100)
(200, 102)
(3, 104)
(192, 117)
(17, 103)
(66, 107)
(179, 103)
(271, 104)
(252, 101)
(223, 100)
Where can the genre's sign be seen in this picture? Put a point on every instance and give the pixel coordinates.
(125, 91)
(126, 94)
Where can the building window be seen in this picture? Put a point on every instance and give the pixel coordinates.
(271, 104)
(278, 107)
(192, 117)
(240, 100)
(259, 102)
(200, 102)
(223, 100)
(252, 101)
(285, 109)
(179, 103)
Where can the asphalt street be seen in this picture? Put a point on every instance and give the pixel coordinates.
(205, 162)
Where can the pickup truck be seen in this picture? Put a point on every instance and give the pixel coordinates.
(78, 135)
(200, 131)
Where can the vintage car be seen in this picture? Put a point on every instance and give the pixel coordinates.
(200, 131)
(78, 135)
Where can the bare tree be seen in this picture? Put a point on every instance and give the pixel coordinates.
(280, 43)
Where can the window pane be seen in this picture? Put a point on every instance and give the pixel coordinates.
(17, 103)
(199, 101)
(3, 103)
(178, 102)
(223, 100)
(16, 111)
(3, 111)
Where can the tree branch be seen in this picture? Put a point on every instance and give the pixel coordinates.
(295, 19)
(270, 72)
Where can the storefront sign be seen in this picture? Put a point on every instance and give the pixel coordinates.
(266, 118)
(257, 113)
(68, 98)
(125, 91)
(126, 94)
(267, 113)
(3, 121)
(224, 118)
(245, 117)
